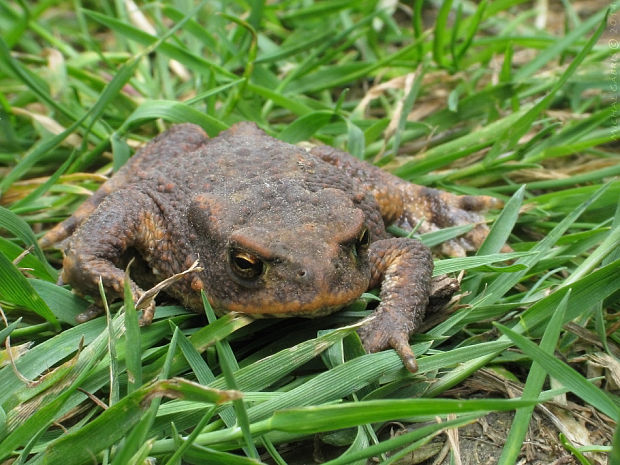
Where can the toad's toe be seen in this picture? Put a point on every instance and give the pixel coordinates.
(376, 338)
(92, 312)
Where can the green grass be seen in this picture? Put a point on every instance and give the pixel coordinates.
(500, 108)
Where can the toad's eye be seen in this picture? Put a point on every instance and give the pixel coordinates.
(245, 264)
(363, 241)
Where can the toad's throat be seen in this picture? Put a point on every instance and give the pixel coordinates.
(323, 304)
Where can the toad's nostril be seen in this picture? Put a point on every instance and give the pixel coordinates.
(301, 273)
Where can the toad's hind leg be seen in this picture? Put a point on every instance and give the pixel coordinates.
(433, 209)
(179, 139)
(409, 205)
(403, 267)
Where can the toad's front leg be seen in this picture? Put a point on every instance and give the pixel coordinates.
(126, 221)
(404, 268)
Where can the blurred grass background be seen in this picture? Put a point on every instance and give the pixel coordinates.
(508, 98)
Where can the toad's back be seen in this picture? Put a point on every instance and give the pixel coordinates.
(184, 162)
(241, 153)
(240, 158)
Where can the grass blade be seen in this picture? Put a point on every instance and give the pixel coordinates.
(79, 447)
(533, 386)
(16, 289)
(512, 136)
(17, 226)
(570, 378)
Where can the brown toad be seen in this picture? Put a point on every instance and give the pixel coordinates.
(279, 231)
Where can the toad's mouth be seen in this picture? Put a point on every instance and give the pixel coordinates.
(321, 305)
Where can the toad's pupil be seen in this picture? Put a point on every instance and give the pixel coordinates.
(244, 263)
(247, 266)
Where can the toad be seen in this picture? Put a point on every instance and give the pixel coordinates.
(279, 231)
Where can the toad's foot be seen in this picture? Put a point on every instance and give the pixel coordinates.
(97, 309)
(389, 329)
(92, 312)
(403, 267)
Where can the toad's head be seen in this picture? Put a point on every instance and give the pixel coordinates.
(278, 249)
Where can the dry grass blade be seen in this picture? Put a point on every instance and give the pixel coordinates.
(149, 296)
